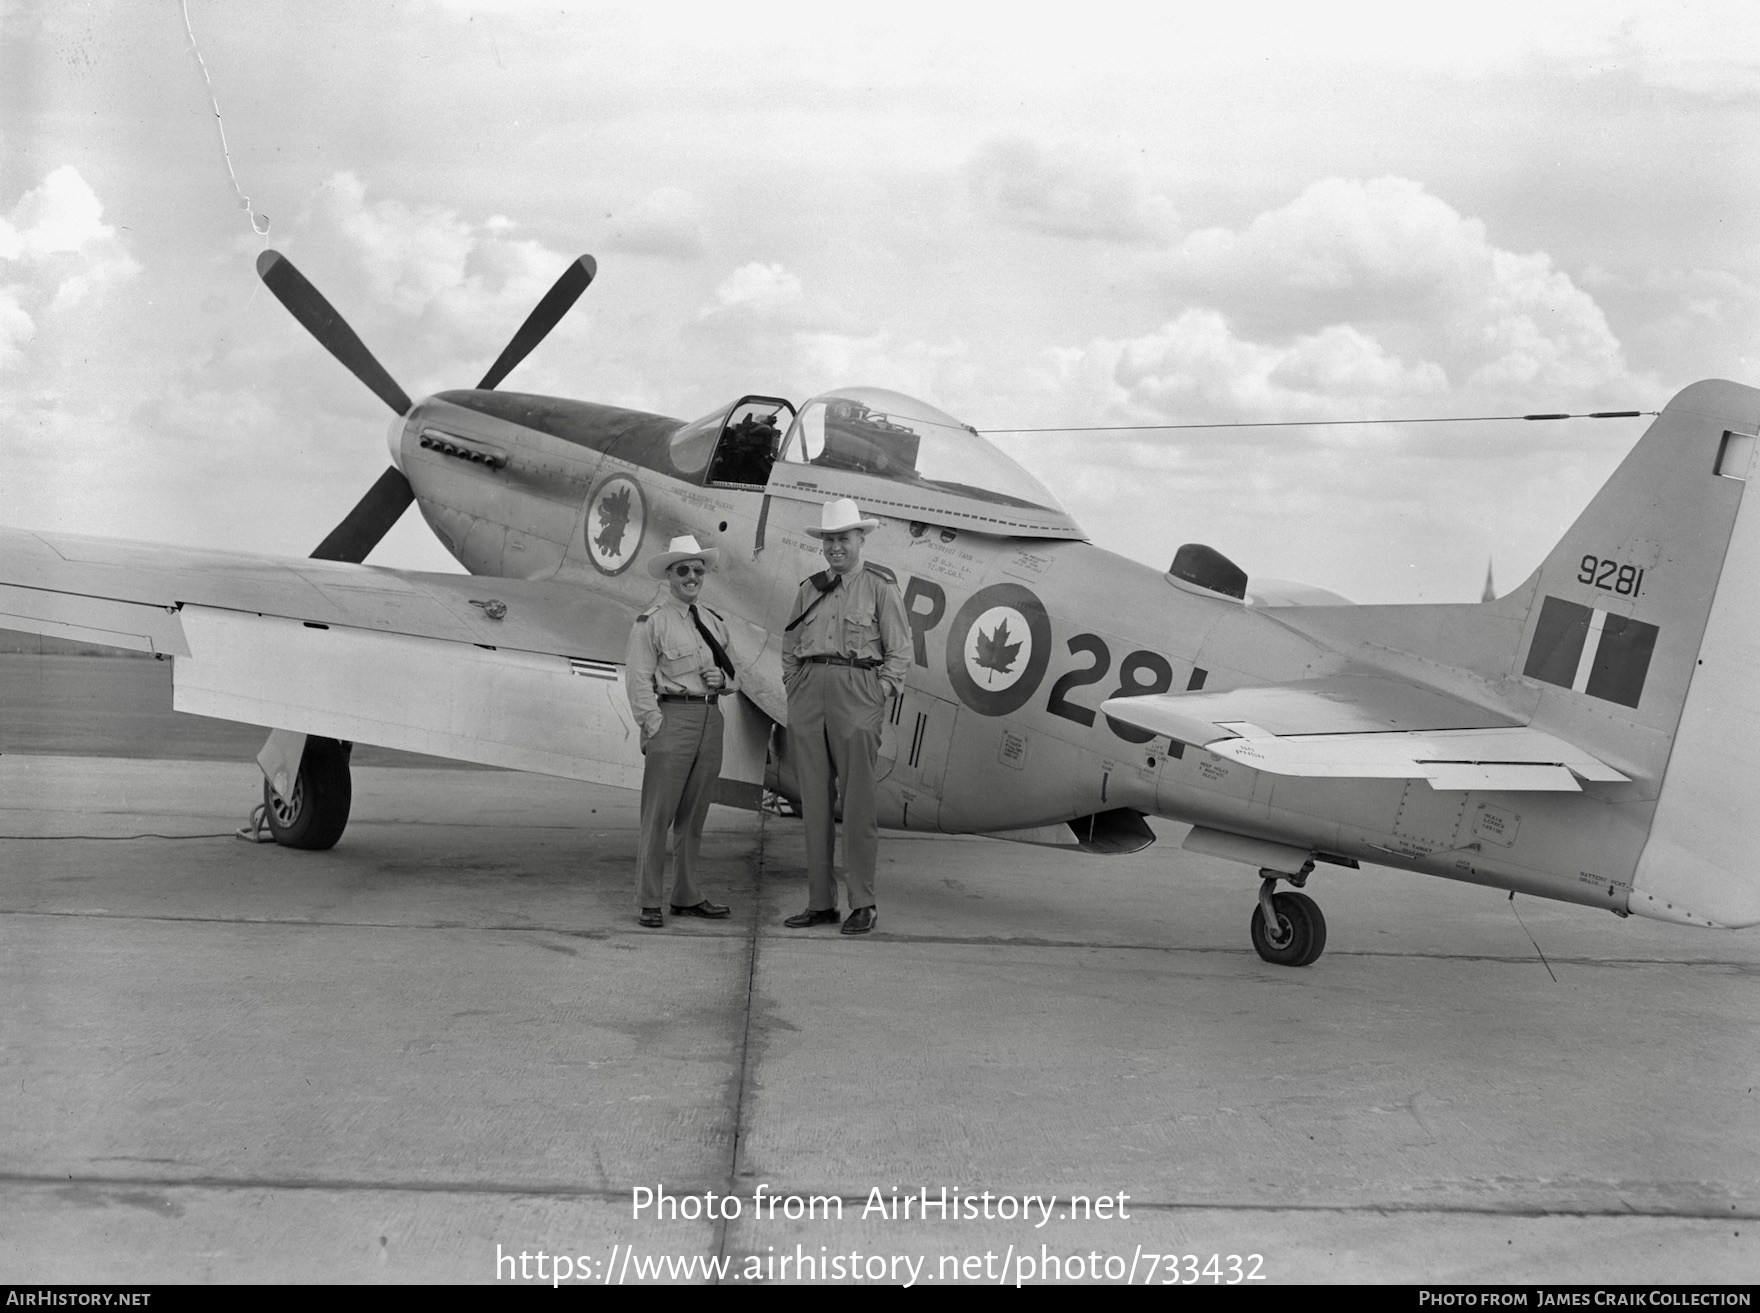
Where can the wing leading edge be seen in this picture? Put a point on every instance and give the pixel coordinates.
(1367, 727)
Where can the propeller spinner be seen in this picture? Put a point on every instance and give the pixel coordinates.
(362, 528)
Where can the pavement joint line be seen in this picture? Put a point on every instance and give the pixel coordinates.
(742, 1081)
(889, 937)
(552, 1190)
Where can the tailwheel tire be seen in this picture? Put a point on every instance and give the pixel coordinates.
(1301, 931)
(317, 813)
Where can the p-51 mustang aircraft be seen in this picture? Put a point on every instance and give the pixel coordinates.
(1590, 737)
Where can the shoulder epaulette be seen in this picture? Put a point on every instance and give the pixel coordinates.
(882, 571)
(642, 618)
(712, 611)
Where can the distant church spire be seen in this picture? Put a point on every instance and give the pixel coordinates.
(1490, 594)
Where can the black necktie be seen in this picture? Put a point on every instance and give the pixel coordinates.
(715, 649)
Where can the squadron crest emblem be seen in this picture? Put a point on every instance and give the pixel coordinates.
(616, 516)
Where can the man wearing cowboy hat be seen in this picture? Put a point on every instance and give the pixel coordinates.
(845, 653)
(677, 667)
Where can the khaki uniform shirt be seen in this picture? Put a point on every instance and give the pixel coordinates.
(667, 655)
(862, 617)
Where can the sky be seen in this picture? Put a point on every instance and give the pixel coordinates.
(1085, 216)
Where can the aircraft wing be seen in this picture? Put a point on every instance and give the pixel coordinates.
(397, 658)
(1367, 727)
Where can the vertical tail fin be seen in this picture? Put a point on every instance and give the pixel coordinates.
(1643, 636)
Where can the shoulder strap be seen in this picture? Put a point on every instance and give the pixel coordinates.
(824, 581)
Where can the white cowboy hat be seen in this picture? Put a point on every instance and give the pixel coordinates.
(840, 516)
(683, 549)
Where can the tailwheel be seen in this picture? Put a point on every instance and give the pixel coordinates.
(317, 813)
(1293, 934)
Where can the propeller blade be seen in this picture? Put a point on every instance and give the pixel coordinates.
(307, 304)
(543, 318)
(370, 520)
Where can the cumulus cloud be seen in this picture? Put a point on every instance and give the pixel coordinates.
(765, 323)
(667, 223)
(1067, 190)
(761, 287)
(1396, 261)
(456, 287)
(62, 214)
(1196, 367)
(760, 308)
(409, 254)
(16, 327)
(1356, 299)
(55, 251)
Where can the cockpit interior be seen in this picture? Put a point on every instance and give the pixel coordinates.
(868, 431)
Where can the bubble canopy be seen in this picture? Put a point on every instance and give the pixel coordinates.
(891, 436)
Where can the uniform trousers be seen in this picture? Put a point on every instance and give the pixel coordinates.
(678, 783)
(834, 715)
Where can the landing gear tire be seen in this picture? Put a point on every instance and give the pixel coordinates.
(317, 813)
(1300, 936)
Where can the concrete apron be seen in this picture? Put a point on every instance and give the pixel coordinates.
(447, 1041)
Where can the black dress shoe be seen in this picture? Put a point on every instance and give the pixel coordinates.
(801, 920)
(860, 921)
(704, 908)
(651, 918)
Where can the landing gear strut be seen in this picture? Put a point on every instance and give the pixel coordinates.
(1287, 929)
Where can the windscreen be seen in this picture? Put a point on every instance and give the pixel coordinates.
(892, 436)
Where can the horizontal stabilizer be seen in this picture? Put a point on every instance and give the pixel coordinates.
(1367, 727)
(1345, 704)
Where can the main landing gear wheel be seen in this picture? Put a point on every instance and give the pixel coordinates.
(317, 814)
(1299, 936)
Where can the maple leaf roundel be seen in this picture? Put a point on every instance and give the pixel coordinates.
(998, 648)
(616, 516)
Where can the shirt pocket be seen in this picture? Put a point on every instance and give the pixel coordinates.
(678, 659)
(861, 631)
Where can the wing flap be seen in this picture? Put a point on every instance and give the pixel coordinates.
(521, 710)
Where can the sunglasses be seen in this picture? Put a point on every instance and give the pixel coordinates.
(689, 571)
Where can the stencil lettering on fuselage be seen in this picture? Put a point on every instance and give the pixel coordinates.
(1495, 825)
(616, 517)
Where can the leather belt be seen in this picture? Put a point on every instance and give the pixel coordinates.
(690, 697)
(860, 663)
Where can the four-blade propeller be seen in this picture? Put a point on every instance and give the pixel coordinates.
(545, 316)
(371, 519)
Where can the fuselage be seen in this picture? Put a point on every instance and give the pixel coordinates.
(1017, 638)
